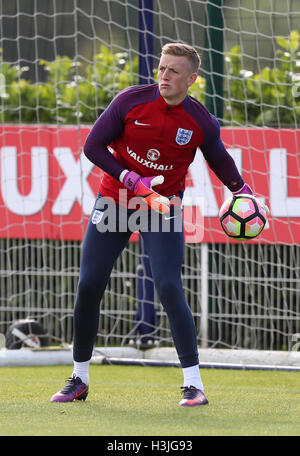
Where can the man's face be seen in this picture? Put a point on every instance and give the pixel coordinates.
(175, 76)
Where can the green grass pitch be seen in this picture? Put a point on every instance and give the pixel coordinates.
(142, 401)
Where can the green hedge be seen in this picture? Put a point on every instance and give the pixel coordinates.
(78, 92)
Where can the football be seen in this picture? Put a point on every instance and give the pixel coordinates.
(242, 217)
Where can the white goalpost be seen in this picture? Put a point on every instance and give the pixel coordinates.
(61, 64)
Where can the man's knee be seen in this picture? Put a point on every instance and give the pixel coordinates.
(89, 288)
(168, 288)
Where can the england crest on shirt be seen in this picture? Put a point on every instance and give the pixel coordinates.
(183, 136)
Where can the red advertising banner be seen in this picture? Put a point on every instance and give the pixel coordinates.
(48, 187)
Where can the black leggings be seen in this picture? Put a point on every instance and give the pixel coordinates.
(99, 253)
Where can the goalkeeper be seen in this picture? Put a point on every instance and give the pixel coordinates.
(144, 142)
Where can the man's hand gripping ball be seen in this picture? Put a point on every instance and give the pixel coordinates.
(247, 190)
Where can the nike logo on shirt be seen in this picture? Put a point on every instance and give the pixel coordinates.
(140, 123)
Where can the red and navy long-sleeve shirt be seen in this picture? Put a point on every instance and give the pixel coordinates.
(150, 137)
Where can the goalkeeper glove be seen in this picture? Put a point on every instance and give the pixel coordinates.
(246, 189)
(142, 187)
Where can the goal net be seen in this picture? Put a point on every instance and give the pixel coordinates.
(61, 64)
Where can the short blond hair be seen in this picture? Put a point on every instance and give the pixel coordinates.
(186, 50)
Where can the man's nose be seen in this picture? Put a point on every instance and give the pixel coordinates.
(165, 74)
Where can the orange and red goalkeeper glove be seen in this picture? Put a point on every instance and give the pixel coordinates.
(142, 187)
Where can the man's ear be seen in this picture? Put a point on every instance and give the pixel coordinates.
(192, 79)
